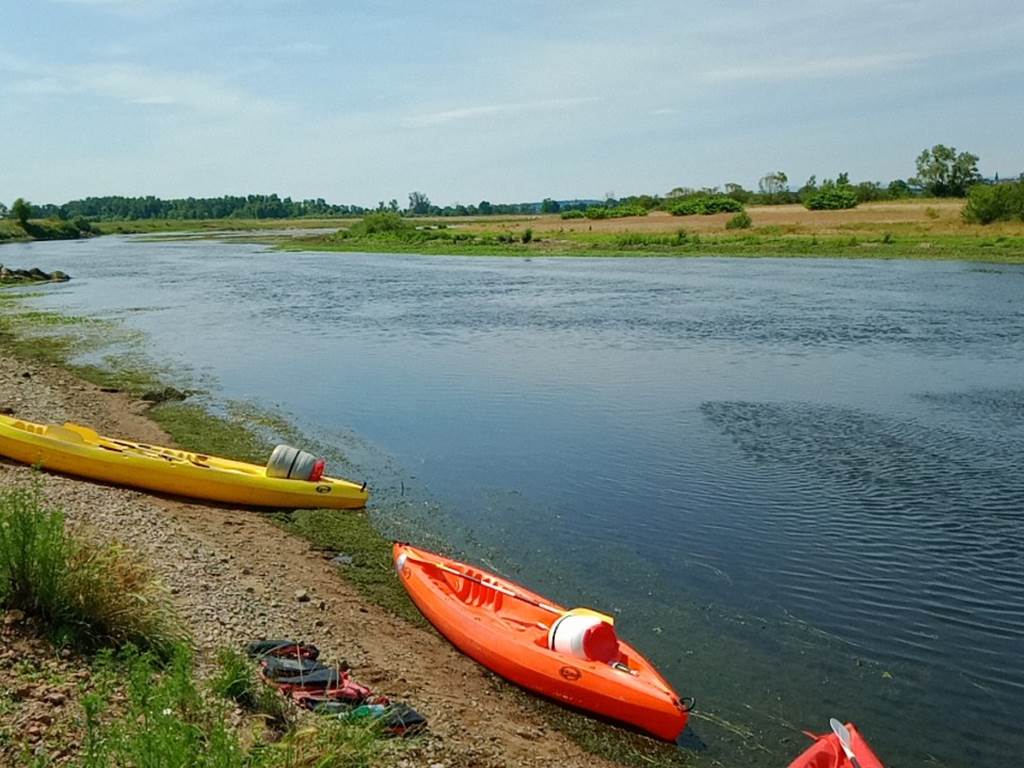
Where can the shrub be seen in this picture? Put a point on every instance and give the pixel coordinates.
(82, 592)
(740, 221)
(705, 205)
(527, 235)
(83, 225)
(622, 211)
(996, 202)
(574, 214)
(831, 199)
(384, 223)
(618, 212)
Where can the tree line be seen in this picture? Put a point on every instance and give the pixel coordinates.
(117, 207)
(941, 172)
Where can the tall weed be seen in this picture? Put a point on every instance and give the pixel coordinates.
(84, 593)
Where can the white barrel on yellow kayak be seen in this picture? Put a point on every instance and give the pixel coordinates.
(294, 464)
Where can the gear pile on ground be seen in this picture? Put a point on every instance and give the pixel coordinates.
(295, 670)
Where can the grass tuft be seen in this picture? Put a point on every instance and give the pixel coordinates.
(83, 593)
(238, 681)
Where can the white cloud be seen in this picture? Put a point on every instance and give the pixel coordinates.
(665, 111)
(137, 85)
(840, 66)
(491, 110)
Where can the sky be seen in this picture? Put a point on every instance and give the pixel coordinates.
(510, 101)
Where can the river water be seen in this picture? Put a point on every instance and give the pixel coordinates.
(797, 482)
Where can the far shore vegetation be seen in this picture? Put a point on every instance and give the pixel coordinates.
(904, 230)
(946, 211)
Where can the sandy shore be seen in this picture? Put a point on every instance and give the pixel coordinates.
(234, 576)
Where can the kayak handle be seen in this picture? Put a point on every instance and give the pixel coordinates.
(687, 703)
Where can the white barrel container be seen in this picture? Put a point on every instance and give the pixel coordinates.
(294, 464)
(585, 636)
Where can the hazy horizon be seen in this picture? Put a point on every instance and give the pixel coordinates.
(516, 103)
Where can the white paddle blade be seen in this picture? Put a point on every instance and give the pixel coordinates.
(843, 734)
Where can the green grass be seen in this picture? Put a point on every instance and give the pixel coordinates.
(763, 242)
(147, 714)
(237, 680)
(84, 594)
(195, 428)
(11, 230)
(43, 229)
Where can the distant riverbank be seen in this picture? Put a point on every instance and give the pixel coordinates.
(45, 229)
(932, 229)
(920, 229)
(950, 248)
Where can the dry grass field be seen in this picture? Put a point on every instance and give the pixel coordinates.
(932, 216)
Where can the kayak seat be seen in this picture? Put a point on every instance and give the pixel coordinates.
(63, 434)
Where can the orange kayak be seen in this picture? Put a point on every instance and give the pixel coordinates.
(571, 656)
(827, 752)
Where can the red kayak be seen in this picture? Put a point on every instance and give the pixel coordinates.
(827, 752)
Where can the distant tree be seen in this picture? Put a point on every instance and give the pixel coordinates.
(648, 202)
(550, 206)
(485, 208)
(737, 192)
(773, 186)
(869, 191)
(843, 179)
(393, 206)
(899, 188)
(679, 192)
(946, 173)
(809, 188)
(21, 210)
(419, 203)
(380, 206)
(3, 211)
(831, 197)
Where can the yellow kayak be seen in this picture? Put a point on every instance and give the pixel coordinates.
(77, 450)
